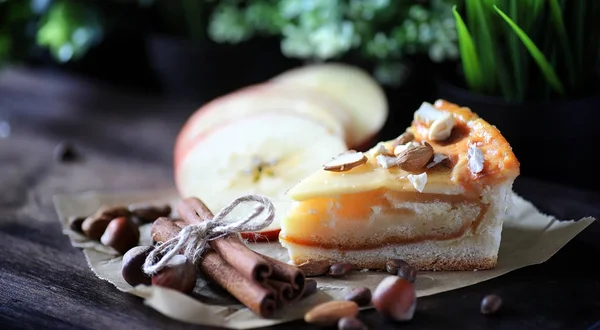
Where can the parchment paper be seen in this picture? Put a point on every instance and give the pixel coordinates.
(528, 238)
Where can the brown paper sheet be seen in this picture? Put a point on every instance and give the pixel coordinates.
(528, 238)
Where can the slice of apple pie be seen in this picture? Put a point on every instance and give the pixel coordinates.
(435, 197)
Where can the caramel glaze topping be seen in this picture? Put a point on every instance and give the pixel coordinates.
(500, 163)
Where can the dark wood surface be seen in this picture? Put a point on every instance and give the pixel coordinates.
(124, 141)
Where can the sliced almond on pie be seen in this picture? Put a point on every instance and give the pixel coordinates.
(345, 161)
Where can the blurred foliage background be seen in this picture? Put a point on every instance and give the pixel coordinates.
(383, 36)
(379, 32)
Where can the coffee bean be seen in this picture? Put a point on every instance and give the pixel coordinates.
(339, 269)
(65, 152)
(393, 265)
(361, 296)
(351, 323)
(75, 224)
(310, 287)
(490, 304)
(408, 273)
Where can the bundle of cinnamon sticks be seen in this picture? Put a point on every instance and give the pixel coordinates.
(259, 282)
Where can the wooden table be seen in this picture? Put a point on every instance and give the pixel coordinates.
(125, 142)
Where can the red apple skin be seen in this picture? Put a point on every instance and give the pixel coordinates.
(266, 236)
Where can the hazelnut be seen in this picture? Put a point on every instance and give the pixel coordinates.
(121, 234)
(490, 304)
(131, 266)
(339, 269)
(361, 296)
(180, 275)
(148, 213)
(310, 287)
(395, 298)
(94, 227)
(351, 323)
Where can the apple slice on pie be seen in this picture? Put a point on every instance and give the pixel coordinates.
(435, 197)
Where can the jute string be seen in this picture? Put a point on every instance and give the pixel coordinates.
(193, 239)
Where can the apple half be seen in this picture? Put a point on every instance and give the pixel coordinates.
(265, 153)
(352, 87)
(266, 97)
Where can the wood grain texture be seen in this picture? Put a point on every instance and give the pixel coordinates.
(125, 142)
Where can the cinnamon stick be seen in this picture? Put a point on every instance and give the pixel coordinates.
(257, 298)
(230, 247)
(285, 292)
(286, 273)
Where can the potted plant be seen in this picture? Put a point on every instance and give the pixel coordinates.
(531, 68)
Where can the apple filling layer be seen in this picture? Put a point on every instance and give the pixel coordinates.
(381, 217)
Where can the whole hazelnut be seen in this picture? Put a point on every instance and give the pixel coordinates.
(94, 227)
(131, 266)
(180, 275)
(121, 234)
(395, 298)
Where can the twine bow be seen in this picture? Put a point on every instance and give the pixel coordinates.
(193, 239)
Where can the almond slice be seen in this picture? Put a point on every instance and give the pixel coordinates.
(345, 161)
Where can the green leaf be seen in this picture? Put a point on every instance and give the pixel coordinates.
(468, 54)
(539, 57)
(487, 51)
(515, 55)
(557, 17)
